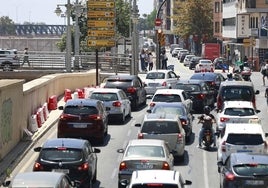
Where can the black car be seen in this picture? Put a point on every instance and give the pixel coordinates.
(131, 85)
(199, 91)
(194, 62)
(74, 157)
(244, 170)
(213, 79)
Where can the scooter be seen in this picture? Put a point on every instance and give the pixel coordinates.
(246, 73)
(207, 139)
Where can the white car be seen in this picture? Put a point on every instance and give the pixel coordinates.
(237, 112)
(175, 52)
(204, 65)
(159, 79)
(242, 137)
(115, 101)
(152, 178)
(171, 95)
(187, 59)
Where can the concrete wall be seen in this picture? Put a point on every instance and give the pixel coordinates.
(19, 100)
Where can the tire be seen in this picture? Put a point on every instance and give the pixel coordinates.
(7, 67)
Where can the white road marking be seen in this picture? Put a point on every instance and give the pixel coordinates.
(205, 169)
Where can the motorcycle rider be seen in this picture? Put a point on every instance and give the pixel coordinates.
(229, 77)
(207, 119)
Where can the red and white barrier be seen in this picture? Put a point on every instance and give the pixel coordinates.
(45, 111)
(33, 125)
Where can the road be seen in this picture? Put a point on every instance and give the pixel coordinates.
(199, 165)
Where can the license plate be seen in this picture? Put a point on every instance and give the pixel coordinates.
(254, 182)
(65, 171)
(145, 166)
(80, 126)
(244, 151)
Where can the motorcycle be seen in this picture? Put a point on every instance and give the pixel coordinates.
(207, 123)
(246, 73)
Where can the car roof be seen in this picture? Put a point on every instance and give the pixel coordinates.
(148, 142)
(160, 116)
(111, 90)
(248, 158)
(205, 75)
(87, 102)
(64, 142)
(179, 104)
(243, 128)
(169, 91)
(155, 176)
(122, 77)
(236, 83)
(37, 179)
(159, 70)
(238, 104)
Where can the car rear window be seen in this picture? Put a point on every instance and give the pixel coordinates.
(169, 110)
(245, 139)
(155, 75)
(154, 185)
(61, 154)
(145, 151)
(78, 110)
(242, 93)
(239, 111)
(104, 96)
(188, 87)
(114, 83)
(160, 127)
(252, 169)
(166, 98)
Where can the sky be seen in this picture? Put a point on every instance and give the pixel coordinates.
(37, 11)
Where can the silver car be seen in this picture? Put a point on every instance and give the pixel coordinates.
(160, 79)
(115, 101)
(144, 154)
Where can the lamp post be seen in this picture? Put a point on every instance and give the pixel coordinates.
(58, 11)
(135, 39)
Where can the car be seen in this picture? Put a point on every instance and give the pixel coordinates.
(133, 87)
(74, 157)
(214, 80)
(182, 51)
(241, 137)
(244, 170)
(221, 63)
(173, 46)
(83, 118)
(204, 65)
(156, 178)
(236, 90)
(165, 127)
(171, 95)
(199, 92)
(144, 154)
(40, 179)
(175, 51)
(237, 112)
(159, 79)
(116, 102)
(9, 59)
(187, 59)
(178, 109)
(183, 55)
(194, 62)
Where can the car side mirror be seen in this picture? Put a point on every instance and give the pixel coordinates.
(97, 150)
(149, 111)
(188, 182)
(37, 149)
(220, 163)
(257, 92)
(258, 111)
(266, 134)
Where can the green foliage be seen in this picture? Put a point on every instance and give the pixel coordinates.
(7, 26)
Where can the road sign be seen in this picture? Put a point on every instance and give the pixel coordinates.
(100, 23)
(94, 43)
(102, 4)
(100, 33)
(100, 14)
(158, 21)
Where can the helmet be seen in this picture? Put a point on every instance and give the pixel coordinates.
(206, 109)
(230, 75)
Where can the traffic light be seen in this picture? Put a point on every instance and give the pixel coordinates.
(161, 37)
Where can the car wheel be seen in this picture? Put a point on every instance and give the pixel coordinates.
(7, 67)
(120, 186)
(129, 113)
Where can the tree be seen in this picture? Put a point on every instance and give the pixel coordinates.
(7, 26)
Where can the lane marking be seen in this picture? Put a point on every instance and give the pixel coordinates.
(205, 169)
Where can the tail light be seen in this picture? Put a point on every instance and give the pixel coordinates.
(165, 166)
(183, 122)
(229, 176)
(224, 119)
(95, 117)
(131, 90)
(117, 104)
(37, 167)
(164, 84)
(122, 166)
(223, 146)
(83, 167)
(200, 96)
(152, 104)
(180, 138)
(66, 116)
(140, 136)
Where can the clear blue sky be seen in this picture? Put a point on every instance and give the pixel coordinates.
(43, 10)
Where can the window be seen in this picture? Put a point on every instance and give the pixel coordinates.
(217, 7)
(77, 110)
(245, 139)
(217, 27)
(160, 127)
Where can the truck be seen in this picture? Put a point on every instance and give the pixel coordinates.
(210, 51)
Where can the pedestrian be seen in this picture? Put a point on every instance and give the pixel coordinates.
(266, 95)
(146, 60)
(26, 57)
(151, 63)
(264, 71)
(164, 60)
(142, 59)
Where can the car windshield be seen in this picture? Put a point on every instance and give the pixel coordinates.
(251, 169)
(202, 77)
(244, 139)
(145, 151)
(169, 110)
(188, 87)
(114, 83)
(78, 110)
(239, 111)
(155, 75)
(166, 98)
(104, 96)
(243, 93)
(205, 61)
(60, 154)
(160, 127)
(154, 185)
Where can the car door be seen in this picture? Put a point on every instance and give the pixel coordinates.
(172, 79)
(141, 93)
(125, 101)
(91, 157)
(187, 101)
